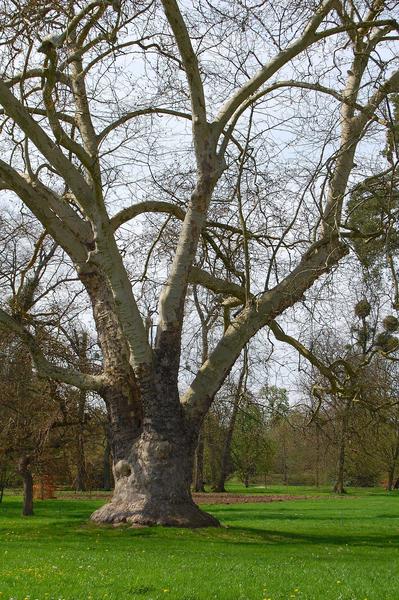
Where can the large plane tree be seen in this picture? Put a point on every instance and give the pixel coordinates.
(84, 87)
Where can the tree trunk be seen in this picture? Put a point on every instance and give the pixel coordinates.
(285, 463)
(152, 445)
(81, 472)
(317, 461)
(153, 472)
(24, 470)
(224, 463)
(121, 396)
(152, 485)
(339, 487)
(214, 465)
(3, 482)
(107, 473)
(339, 484)
(391, 475)
(199, 464)
(392, 465)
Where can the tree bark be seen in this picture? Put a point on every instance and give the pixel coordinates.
(107, 473)
(152, 445)
(152, 484)
(25, 472)
(121, 395)
(199, 464)
(153, 466)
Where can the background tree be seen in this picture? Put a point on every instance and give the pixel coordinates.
(349, 377)
(238, 393)
(252, 449)
(27, 414)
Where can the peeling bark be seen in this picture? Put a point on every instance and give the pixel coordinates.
(121, 395)
(152, 485)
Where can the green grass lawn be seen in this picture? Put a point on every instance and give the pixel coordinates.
(324, 548)
(294, 490)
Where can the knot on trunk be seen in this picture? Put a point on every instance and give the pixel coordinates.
(122, 469)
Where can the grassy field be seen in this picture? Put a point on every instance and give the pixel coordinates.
(323, 548)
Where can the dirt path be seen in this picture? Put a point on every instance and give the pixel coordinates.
(213, 498)
(209, 498)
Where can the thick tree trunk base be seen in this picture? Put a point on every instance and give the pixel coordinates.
(152, 487)
(144, 513)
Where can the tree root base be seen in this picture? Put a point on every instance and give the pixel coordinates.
(169, 515)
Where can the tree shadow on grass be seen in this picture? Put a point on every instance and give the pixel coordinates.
(322, 539)
(240, 513)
